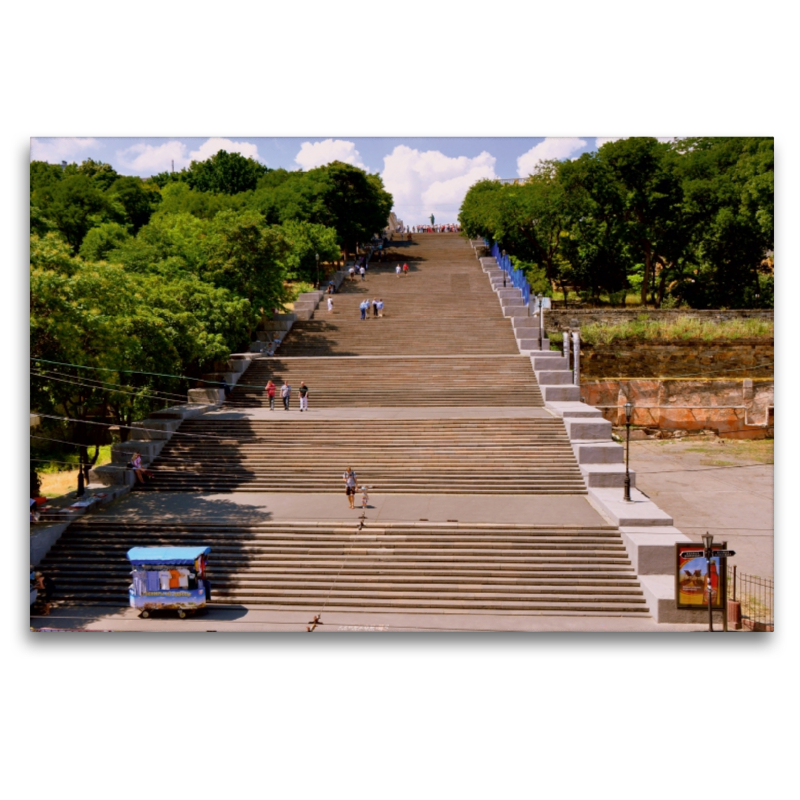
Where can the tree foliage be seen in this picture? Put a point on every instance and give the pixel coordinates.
(691, 220)
(134, 281)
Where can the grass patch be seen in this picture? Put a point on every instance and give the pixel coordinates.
(297, 288)
(57, 484)
(63, 460)
(729, 452)
(58, 479)
(678, 329)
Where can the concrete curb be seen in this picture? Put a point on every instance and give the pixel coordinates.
(647, 531)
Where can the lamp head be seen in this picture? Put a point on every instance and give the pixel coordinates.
(628, 412)
(708, 540)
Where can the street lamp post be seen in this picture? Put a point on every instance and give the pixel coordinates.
(316, 255)
(541, 315)
(708, 543)
(628, 417)
(79, 434)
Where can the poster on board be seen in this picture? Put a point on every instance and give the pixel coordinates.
(694, 577)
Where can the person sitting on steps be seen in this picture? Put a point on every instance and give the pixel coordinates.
(138, 470)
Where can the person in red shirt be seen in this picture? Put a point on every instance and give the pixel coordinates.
(270, 389)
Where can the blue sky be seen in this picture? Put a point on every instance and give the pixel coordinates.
(425, 175)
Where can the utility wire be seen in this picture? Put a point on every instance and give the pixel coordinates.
(103, 384)
(132, 427)
(128, 371)
(102, 388)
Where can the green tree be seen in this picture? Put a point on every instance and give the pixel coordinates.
(727, 188)
(75, 204)
(102, 240)
(225, 173)
(306, 241)
(647, 194)
(339, 196)
(247, 257)
(137, 199)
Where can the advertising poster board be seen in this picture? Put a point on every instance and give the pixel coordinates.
(692, 579)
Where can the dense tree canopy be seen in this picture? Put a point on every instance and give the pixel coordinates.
(687, 221)
(133, 280)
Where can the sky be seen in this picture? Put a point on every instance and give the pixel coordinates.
(425, 175)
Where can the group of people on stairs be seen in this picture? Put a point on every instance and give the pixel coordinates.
(286, 395)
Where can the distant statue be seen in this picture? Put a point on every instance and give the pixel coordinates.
(432, 219)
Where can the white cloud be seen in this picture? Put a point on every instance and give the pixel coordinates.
(317, 154)
(551, 148)
(148, 159)
(429, 182)
(215, 144)
(54, 151)
(601, 140)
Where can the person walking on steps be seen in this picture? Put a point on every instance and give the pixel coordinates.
(398, 269)
(363, 272)
(375, 307)
(270, 390)
(405, 270)
(380, 307)
(286, 393)
(363, 307)
(330, 303)
(303, 392)
(350, 483)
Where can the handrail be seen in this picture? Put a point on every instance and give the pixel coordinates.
(515, 276)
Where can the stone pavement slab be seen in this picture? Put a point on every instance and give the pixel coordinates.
(408, 412)
(243, 619)
(735, 502)
(256, 507)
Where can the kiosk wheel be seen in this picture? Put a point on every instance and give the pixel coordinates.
(181, 613)
(145, 614)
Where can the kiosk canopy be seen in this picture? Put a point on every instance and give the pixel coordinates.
(166, 555)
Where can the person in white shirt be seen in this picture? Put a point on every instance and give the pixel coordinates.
(398, 269)
(330, 304)
(350, 479)
(286, 393)
(380, 308)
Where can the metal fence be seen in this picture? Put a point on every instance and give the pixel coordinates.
(516, 277)
(756, 597)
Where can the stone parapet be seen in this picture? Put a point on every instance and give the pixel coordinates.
(665, 358)
(561, 319)
(207, 396)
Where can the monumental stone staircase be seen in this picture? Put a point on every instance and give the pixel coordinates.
(401, 381)
(397, 567)
(441, 308)
(438, 456)
(444, 342)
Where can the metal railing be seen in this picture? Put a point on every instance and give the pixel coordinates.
(516, 277)
(756, 596)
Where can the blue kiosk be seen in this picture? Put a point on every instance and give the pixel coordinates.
(168, 578)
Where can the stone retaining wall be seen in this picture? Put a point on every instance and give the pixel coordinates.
(657, 358)
(561, 319)
(731, 408)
